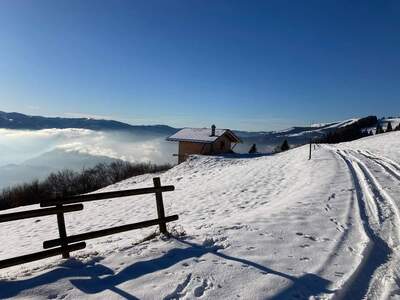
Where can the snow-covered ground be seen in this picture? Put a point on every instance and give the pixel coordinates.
(321, 128)
(271, 227)
(337, 124)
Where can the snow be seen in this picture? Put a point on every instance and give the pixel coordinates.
(317, 125)
(347, 122)
(337, 124)
(278, 226)
(202, 135)
(394, 121)
(320, 128)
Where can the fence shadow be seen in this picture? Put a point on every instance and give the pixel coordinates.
(138, 269)
(71, 268)
(305, 286)
(97, 278)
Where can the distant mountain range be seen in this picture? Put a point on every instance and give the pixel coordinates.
(295, 135)
(16, 120)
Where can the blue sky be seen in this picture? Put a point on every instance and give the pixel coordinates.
(254, 65)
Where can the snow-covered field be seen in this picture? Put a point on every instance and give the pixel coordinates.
(271, 227)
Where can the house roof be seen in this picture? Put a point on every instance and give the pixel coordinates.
(202, 135)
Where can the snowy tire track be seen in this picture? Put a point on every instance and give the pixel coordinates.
(381, 223)
(389, 166)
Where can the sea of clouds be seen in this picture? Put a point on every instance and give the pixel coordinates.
(17, 146)
(33, 154)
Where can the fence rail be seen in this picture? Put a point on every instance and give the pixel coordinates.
(108, 231)
(39, 213)
(106, 195)
(65, 244)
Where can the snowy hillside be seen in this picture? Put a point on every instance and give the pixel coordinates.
(300, 135)
(277, 227)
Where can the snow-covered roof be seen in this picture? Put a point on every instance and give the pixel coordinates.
(201, 135)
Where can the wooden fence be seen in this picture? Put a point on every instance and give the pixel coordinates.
(68, 243)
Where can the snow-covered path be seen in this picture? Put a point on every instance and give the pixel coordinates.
(272, 227)
(379, 212)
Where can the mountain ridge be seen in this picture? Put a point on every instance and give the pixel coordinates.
(15, 120)
(295, 135)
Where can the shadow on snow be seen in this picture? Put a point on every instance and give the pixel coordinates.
(305, 286)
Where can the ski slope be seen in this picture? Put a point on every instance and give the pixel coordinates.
(270, 227)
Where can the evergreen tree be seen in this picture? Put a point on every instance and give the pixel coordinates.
(397, 127)
(389, 127)
(285, 146)
(379, 129)
(253, 149)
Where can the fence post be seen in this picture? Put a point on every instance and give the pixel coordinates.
(160, 206)
(62, 231)
(309, 156)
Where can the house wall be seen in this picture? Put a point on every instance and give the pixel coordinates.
(187, 148)
(221, 145)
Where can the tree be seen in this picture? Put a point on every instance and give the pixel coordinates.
(397, 127)
(379, 129)
(285, 146)
(389, 127)
(67, 182)
(253, 149)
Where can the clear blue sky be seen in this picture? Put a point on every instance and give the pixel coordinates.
(256, 65)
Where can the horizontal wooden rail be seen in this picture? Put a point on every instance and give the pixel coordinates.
(108, 231)
(40, 255)
(106, 195)
(39, 212)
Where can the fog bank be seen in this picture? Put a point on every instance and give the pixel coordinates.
(32, 154)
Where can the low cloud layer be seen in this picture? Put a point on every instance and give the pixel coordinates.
(17, 146)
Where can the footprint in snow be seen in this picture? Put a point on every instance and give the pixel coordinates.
(304, 258)
(180, 289)
(339, 274)
(310, 237)
(332, 196)
(306, 236)
(200, 290)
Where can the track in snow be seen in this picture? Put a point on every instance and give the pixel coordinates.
(388, 165)
(381, 224)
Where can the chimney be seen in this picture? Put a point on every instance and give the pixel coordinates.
(212, 130)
